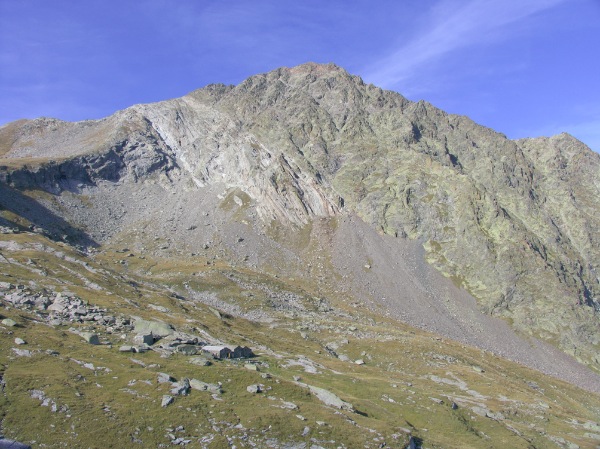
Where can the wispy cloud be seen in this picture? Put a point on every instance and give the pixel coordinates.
(452, 25)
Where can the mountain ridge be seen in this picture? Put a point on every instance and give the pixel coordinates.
(313, 140)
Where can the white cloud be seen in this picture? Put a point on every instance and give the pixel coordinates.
(452, 25)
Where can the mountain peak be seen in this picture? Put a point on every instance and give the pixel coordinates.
(316, 68)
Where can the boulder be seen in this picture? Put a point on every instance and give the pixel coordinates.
(144, 339)
(253, 388)
(216, 313)
(20, 341)
(141, 348)
(167, 400)
(203, 386)
(330, 399)
(126, 348)
(200, 361)
(181, 388)
(188, 349)
(155, 328)
(90, 337)
(22, 352)
(57, 307)
(164, 378)
(9, 322)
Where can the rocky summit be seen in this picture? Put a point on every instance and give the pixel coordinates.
(390, 275)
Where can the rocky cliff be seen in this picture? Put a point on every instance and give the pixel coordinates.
(512, 222)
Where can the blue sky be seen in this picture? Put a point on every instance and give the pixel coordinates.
(523, 67)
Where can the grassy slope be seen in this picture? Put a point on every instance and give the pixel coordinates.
(392, 392)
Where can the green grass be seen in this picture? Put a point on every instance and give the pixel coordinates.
(401, 364)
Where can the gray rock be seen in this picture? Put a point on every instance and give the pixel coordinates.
(496, 416)
(330, 399)
(57, 307)
(253, 388)
(181, 388)
(9, 322)
(22, 352)
(216, 313)
(167, 400)
(90, 337)
(481, 411)
(164, 378)
(200, 361)
(144, 339)
(155, 328)
(20, 341)
(126, 348)
(251, 367)
(203, 386)
(188, 349)
(158, 308)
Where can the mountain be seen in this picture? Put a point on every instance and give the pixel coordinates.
(303, 198)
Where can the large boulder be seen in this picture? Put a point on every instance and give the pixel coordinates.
(90, 337)
(156, 328)
(330, 399)
(204, 386)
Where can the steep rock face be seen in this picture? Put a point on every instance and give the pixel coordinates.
(512, 222)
